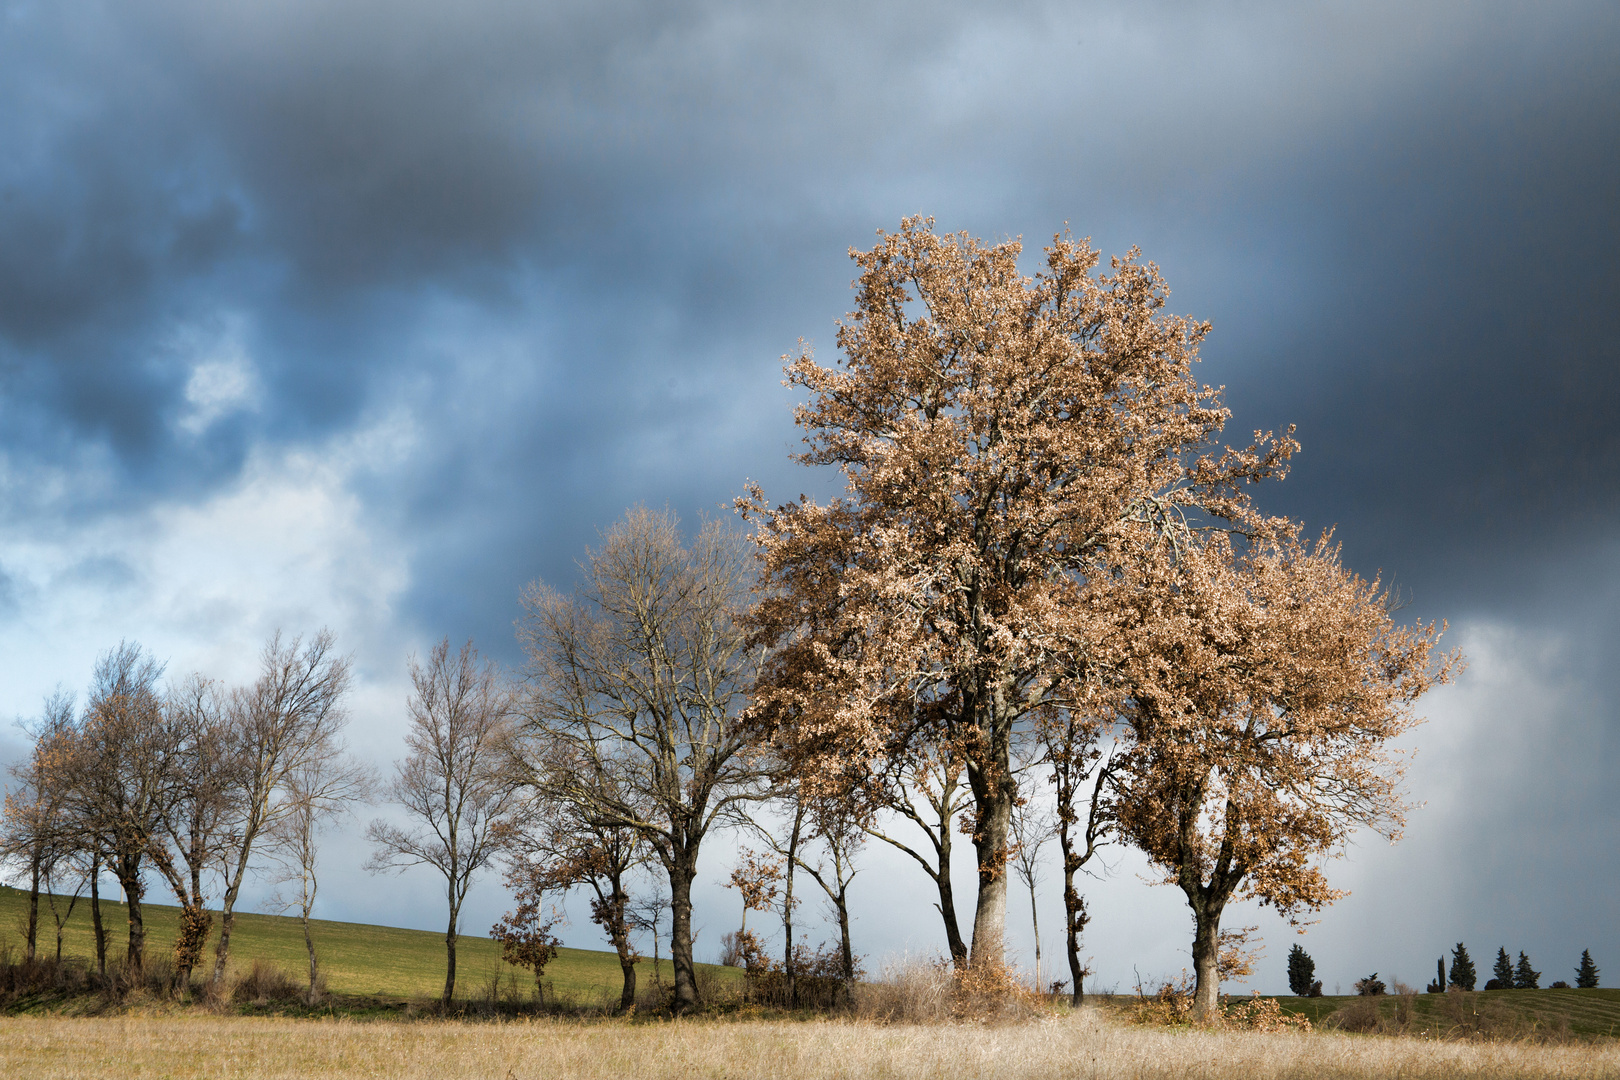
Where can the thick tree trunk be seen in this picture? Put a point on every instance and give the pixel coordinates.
(682, 869)
(1206, 960)
(450, 936)
(990, 913)
(195, 924)
(994, 790)
(95, 918)
(129, 878)
(617, 901)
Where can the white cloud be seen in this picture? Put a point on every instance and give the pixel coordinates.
(223, 379)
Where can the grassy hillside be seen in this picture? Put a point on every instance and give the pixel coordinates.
(381, 961)
(1587, 1012)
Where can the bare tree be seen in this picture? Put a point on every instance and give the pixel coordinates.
(288, 718)
(1032, 826)
(34, 834)
(925, 787)
(637, 685)
(196, 822)
(118, 776)
(452, 781)
(326, 787)
(1070, 739)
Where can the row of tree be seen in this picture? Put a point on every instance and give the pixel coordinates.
(1507, 975)
(1044, 585)
(192, 781)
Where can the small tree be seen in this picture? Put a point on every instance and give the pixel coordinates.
(1502, 970)
(326, 787)
(1031, 827)
(525, 932)
(451, 782)
(1523, 977)
(1462, 968)
(1371, 986)
(1586, 976)
(1301, 971)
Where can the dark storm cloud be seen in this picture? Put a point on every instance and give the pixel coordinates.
(568, 242)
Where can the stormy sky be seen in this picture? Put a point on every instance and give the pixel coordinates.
(363, 315)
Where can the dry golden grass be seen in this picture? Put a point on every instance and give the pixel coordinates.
(1083, 1045)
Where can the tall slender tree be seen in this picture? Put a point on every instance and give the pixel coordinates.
(290, 716)
(636, 690)
(452, 783)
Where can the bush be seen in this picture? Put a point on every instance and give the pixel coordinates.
(1371, 986)
(266, 984)
(1263, 1014)
(936, 992)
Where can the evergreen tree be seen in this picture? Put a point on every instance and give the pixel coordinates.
(1503, 971)
(1302, 969)
(1523, 977)
(1462, 968)
(1585, 975)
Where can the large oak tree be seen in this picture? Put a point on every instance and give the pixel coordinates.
(1003, 439)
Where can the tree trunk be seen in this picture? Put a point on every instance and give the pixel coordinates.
(1075, 917)
(95, 918)
(314, 969)
(31, 947)
(1035, 920)
(790, 968)
(682, 870)
(618, 901)
(994, 790)
(1206, 959)
(129, 878)
(947, 901)
(846, 952)
(450, 937)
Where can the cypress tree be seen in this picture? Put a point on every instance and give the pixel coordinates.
(1503, 971)
(1586, 975)
(1301, 970)
(1462, 968)
(1523, 977)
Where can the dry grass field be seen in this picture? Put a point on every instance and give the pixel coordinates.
(1073, 1046)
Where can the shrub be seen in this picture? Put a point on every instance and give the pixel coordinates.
(1371, 986)
(1263, 1014)
(266, 984)
(1496, 984)
(935, 992)
(1559, 985)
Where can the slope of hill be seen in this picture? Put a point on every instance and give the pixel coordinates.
(380, 961)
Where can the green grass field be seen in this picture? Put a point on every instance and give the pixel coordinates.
(1587, 1012)
(384, 962)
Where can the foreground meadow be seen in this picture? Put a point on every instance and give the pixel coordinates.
(1080, 1045)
